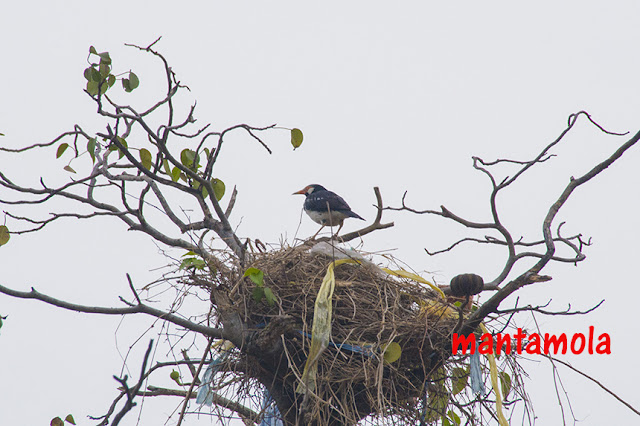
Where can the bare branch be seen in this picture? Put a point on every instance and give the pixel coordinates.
(247, 128)
(574, 243)
(131, 309)
(367, 229)
(132, 392)
(190, 391)
(217, 399)
(597, 383)
(77, 130)
(539, 310)
(232, 202)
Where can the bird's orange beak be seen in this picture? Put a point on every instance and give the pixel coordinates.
(302, 191)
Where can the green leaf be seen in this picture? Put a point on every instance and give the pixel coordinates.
(91, 149)
(258, 294)
(93, 50)
(392, 352)
(105, 70)
(256, 275)
(269, 296)
(5, 235)
(69, 419)
(95, 75)
(188, 158)
(218, 188)
(61, 149)
(105, 58)
(167, 168)
(296, 138)
(92, 88)
(175, 174)
(57, 422)
(505, 383)
(111, 80)
(195, 184)
(133, 81)
(69, 169)
(124, 144)
(460, 378)
(453, 416)
(192, 262)
(87, 73)
(146, 159)
(446, 422)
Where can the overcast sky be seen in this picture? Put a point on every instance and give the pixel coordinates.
(398, 96)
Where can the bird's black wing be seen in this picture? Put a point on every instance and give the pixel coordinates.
(318, 201)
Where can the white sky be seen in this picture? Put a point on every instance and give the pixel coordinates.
(398, 96)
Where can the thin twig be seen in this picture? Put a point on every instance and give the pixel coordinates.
(193, 382)
(597, 383)
(132, 392)
(139, 308)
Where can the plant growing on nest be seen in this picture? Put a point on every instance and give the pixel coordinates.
(303, 333)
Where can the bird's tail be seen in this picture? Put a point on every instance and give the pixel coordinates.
(349, 213)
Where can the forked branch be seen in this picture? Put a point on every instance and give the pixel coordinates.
(519, 250)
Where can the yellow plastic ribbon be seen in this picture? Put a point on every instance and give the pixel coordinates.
(493, 368)
(321, 328)
(410, 275)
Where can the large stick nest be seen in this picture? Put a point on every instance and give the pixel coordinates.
(371, 309)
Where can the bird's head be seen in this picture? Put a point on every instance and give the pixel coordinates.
(310, 189)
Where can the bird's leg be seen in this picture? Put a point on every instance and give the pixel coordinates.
(316, 234)
(339, 228)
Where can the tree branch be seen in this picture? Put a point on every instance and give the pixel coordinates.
(193, 382)
(539, 310)
(131, 309)
(219, 400)
(566, 364)
(367, 229)
(132, 392)
(549, 241)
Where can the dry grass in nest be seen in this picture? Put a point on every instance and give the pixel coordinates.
(370, 310)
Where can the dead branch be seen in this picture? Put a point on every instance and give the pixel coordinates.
(549, 242)
(138, 308)
(566, 364)
(77, 131)
(132, 392)
(374, 226)
(540, 310)
(193, 383)
(219, 400)
(531, 276)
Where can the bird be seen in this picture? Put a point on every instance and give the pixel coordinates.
(325, 207)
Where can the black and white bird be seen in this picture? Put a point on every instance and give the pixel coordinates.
(325, 207)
